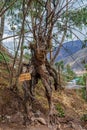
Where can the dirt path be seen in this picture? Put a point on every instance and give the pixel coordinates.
(24, 128)
(73, 126)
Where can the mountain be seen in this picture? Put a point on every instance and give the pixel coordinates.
(68, 49)
(77, 60)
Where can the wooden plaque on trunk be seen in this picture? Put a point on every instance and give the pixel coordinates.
(25, 76)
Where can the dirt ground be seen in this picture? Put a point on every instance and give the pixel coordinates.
(71, 109)
(69, 105)
(2, 127)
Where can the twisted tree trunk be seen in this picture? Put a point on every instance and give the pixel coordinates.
(41, 69)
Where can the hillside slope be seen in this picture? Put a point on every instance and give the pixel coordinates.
(68, 49)
(76, 60)
(6, 51)
(69, 105)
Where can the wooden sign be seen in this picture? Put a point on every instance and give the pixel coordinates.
(25, 76)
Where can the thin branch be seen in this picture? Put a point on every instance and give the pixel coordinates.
(69, 52)
(3, 6)
(5, 38)
(64, 35)
(11, 4)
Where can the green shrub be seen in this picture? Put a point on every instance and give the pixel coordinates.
(69, 73)
(60, 110)
(82, 80)
(85, 66)
(84, 117)
(83, 90)
(27, 56)
(5, 56)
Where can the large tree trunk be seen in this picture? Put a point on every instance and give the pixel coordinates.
(41, 69)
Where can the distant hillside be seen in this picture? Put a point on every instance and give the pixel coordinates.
(68, 49)
(77, 60)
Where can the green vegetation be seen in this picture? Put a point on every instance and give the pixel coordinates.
(5, 58)
(82, 80)
(27, 56)
(85, 66)
(78, 17)
(69, 74)
(83, 91)
(84, 117)
(60, 64)
(60, 110)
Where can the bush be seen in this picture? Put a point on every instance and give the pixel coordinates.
(70, 75)
(85, 66)
(5, 56)
(82, 80)
(84, 117)
(60, 110)
(83, 90)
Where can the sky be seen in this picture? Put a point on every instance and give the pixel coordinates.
(78, 3)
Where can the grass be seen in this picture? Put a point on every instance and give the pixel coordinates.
(5, 56)
(84, 117)
(60, 110)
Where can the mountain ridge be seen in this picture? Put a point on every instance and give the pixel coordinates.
(76, 60)
(68, 49)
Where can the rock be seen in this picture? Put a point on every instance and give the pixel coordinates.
(39, 119)
(37, 114)
(77, 127)
(18, 117)
(42, 121)
(8, 118)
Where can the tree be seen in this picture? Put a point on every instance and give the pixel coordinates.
(69, 73)
(85, 66)
(60, 64)
(47, 22)
(3, 4)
